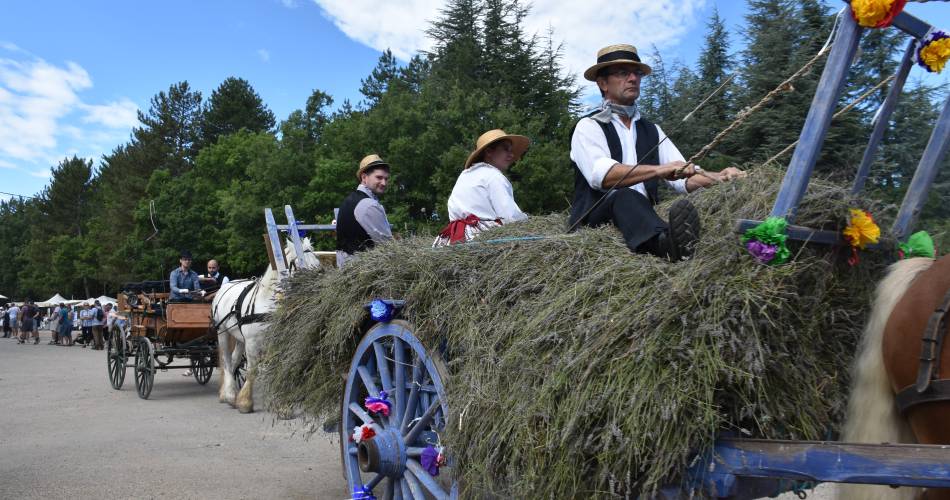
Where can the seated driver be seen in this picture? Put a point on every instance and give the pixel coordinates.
(183, 280)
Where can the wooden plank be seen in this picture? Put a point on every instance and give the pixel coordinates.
(294, 235)
(819, 118)
(884, 117)
(933, 157)
(820, 461)
(911, 25)
(274, 237)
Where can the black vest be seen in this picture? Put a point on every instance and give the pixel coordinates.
(350, 235)
(647, 139)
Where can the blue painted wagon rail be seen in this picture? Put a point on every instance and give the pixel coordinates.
(819, 117)
(750, 468)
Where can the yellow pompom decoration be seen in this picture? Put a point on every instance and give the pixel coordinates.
(935, 54)
(862, 230)
(876, 13)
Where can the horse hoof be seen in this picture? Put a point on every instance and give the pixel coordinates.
(243, 409)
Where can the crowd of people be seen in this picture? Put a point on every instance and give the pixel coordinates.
(87, 325)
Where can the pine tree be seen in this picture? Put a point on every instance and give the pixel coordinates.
(233, 106)
(374, 86)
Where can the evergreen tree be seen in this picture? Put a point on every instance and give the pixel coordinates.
(233, 106)
(374, 86)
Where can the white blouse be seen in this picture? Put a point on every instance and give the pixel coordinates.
(484, 191)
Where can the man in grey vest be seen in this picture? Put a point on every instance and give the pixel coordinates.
(361, 221)
(619, 159)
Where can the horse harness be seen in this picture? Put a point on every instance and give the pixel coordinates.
(245, 319)
(929, 388)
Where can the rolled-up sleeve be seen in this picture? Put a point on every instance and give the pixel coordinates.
(370, 214)
(590, 152)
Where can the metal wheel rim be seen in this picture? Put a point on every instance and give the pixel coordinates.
(144, 369)
(202, 369)
(409, 481)
(115, 358)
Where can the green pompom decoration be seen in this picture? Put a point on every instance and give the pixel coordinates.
(771, 232)
(920, 244)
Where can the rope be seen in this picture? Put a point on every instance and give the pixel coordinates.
(785, 86)
(843, 110)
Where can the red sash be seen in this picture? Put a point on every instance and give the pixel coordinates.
(455, 231)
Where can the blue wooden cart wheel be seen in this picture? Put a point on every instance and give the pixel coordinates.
(116, 357)
(389, 465)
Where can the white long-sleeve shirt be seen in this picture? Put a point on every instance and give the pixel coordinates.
(589, 150)
(484, 191)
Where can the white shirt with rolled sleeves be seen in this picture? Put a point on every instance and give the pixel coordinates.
(484, 191)
(590, 152)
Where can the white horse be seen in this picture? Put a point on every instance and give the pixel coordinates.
(240, 311)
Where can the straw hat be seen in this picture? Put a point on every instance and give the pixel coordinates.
(519, 144)
(616, 54)
(368, 162)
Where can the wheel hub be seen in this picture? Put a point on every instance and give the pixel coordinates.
(384, 454)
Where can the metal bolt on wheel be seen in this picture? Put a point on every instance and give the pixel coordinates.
(116, 358)
(144, 368)
(390, 358)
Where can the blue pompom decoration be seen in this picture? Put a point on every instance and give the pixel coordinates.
(362, 493)
(381, 311)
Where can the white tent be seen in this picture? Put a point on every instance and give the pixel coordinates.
(55, 300)
(106, 300)
(4, 297)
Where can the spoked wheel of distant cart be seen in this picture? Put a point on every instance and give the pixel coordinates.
(144, 367)
(116, 357)
(240, 372)
(202, 367)
(393, 414)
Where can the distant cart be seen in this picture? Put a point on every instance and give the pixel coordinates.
(153, 332)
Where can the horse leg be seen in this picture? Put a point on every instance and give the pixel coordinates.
(245, 399)
(227, 393)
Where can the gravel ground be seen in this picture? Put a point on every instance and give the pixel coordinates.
(67, 434)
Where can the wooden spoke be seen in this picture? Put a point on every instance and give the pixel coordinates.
(423, 422)
(382, 366)
(368, 381)
(361, 413)
(428, 483)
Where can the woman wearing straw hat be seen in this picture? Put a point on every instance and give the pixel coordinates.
(482, 197)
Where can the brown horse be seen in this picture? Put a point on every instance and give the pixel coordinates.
(888, 361)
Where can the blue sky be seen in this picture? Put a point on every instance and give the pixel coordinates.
(73, 74)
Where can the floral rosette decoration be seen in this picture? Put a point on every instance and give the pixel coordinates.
(920, 244)
(933, 52)
(361, 492)
(379, 405)
(861, 231)
(876, 13)
(431, 459)
(362, 433)
(766, 242)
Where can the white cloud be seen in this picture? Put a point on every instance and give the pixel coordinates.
(263, 54)
(120, 114)
(582, 26)
(43, 117)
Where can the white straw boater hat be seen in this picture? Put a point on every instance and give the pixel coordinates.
(616, 54)
(368, 162)
(519, 144)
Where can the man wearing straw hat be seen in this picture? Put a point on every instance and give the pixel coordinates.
(619, 158)
(361, 221)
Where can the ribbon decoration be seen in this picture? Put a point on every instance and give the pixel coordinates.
(876, 13)
(861, 231)
(362, 433)
(920, 244)
(431, 459)
(361, 492)
(766, 241)
(380, 405)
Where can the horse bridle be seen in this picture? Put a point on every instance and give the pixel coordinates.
(928, 387)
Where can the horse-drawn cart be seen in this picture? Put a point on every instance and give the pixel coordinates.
(152, 332)
(394, 404)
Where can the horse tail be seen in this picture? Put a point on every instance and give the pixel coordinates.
(872, 415)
